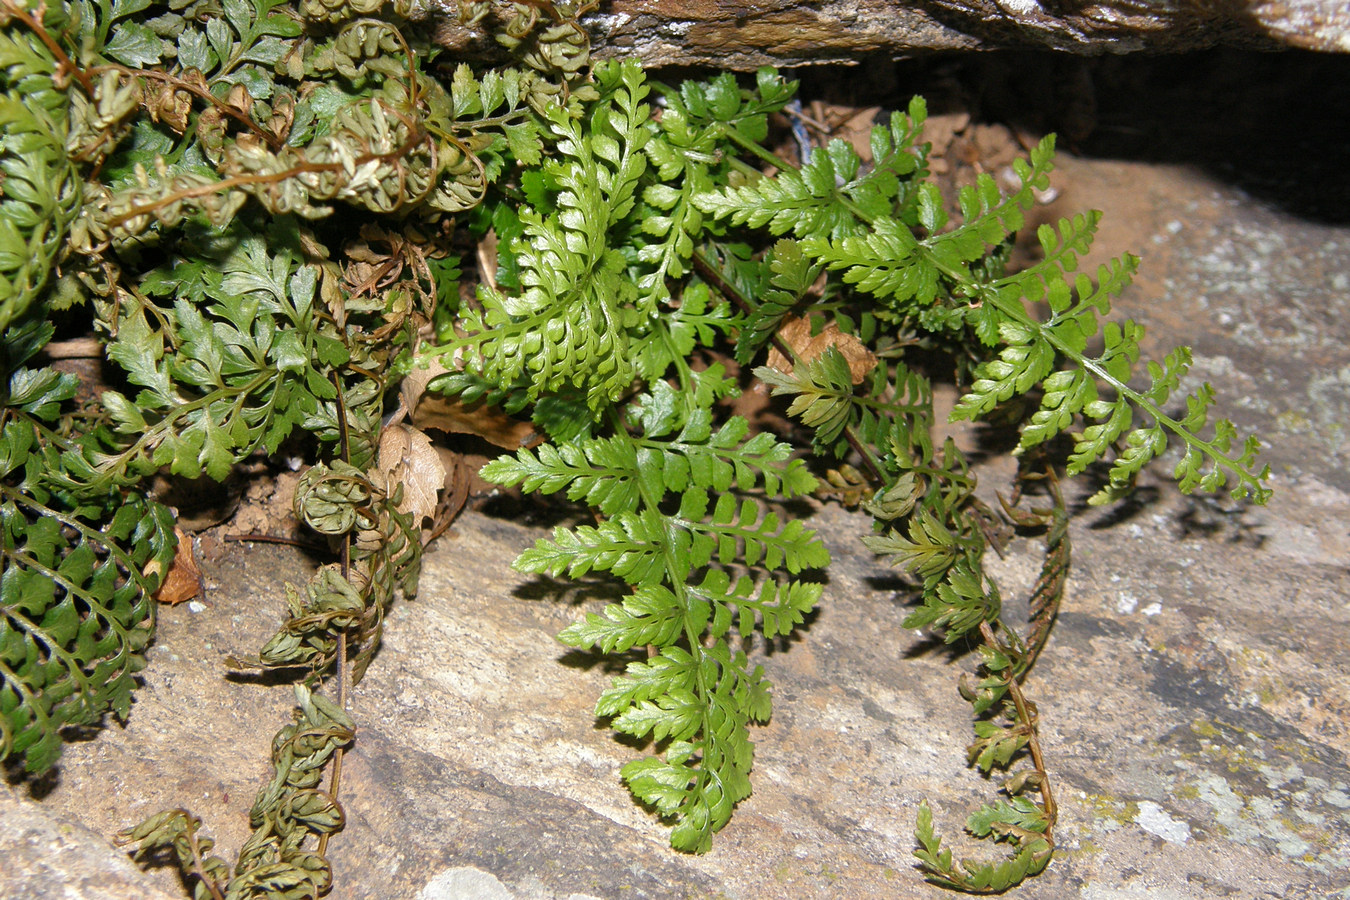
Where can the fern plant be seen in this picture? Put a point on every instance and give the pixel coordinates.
(890, 239)
(708, 565)
(173, 168)
(170, 168)
(902, 274)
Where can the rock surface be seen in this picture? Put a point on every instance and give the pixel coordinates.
(745, 35)
(51, 857)
(1193, 695)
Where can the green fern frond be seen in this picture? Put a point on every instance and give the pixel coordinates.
(605, 472)
(885, 261)
(723, 460)
(1031, 855)
(601, 471)
(42, 191)
(650, 615)
(830, 194)
(700, 129)
(570, 324)
(695, 696)
(243, 335)
(631, 545)
(76, 611)
(891, 414)
(958, 604)
(792, 276)
(175, 184)
(668, 339)
(929, 550)
(774, 608)
(699, 781)
(1033, 349)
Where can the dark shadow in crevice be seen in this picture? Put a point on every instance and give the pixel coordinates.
(1265, 123)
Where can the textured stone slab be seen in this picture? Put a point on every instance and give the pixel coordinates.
(1194, 694)
(50, 856)
(745, 35)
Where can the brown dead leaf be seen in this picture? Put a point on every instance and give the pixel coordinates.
(407, 458)
(184, 581)
(454, 497)
(448, 414)
(796, 333)
(240, 99)
(170, 106)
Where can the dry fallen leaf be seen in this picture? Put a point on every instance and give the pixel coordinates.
(796, 333)
(184, 581)
(432, 410)
(407, 458)
(454, 496)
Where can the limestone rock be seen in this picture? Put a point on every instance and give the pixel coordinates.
(745, 35)
(47, 856)
(1192, 697)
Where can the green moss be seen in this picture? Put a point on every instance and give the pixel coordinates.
(1111, 809)
(1204, 729)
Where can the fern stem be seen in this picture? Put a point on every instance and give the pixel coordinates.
(1028, 720)
(63, 61)
(340, 668)
(197, 862)
(678, 588)
(756, 148)
(341, 675)
(418, 136)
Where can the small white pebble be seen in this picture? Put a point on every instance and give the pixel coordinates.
(196, 606)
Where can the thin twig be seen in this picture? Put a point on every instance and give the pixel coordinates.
(818, 125)
(64, 62)
(201, 93)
